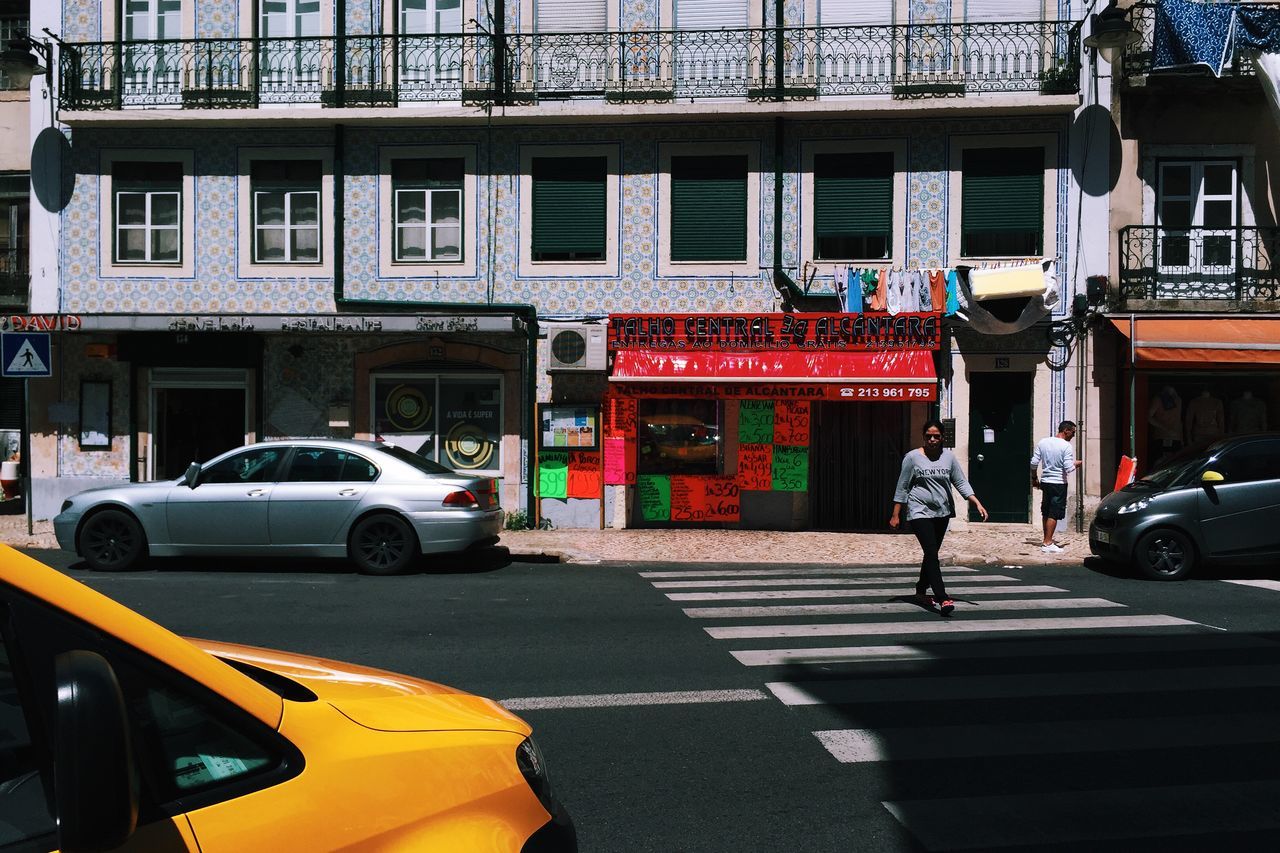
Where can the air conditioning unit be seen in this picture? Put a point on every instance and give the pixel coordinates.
(577, 346)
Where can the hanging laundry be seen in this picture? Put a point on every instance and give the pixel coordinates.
(838, 284)
(853, 291)
(903, 292)
(953, 292)
(937, 290)
(879, 300)
(1189, 34)
(920, 284)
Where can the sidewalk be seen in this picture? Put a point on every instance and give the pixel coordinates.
(991, 544)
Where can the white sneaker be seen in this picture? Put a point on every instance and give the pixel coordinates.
(1052, 549)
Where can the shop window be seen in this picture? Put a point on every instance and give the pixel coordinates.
(453, 420)
(853, 206)
(286, 211)
(679, 437)
(1193, 410)
(569, 208)
(427, 197)
(1002, 202)
(709, 208)
(147, 212)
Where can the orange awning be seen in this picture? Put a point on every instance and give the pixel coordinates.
(1203, 340)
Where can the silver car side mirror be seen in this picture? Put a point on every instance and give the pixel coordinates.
(193, 474)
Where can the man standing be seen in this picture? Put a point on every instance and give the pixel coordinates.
(1054, 454)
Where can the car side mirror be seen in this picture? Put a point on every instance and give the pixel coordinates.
(94, 779)
(192, 475)
(1211, 477)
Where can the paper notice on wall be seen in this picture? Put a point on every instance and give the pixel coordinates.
(790, 469)
(584, 474)
(755, 422)
(616, 470)
(791, 422)
(553, 474)
(755, 467)
(988, 436)
(710, 499)
(655, 496)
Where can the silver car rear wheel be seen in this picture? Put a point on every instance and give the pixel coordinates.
(112, 541)
(383, 545)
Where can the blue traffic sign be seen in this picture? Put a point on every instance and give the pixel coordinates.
(25, 355)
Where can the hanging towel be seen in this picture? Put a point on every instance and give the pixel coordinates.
(920, 287)
(937, 290)
(953, 292)
(853, 294)
(1188, 34)
(880, 298)
(896, 293)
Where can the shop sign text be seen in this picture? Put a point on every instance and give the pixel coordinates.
(748, 332)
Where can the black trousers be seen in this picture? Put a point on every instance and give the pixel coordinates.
(929, 532)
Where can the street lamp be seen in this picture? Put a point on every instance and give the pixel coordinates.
(1110, 33)
(17, 61)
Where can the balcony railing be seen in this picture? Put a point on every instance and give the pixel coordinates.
(1139, 56)
(15, 280)
(1239, 263)
(390, 70)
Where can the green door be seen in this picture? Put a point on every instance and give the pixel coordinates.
(1000, 444)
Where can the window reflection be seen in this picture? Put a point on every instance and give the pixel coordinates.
(679, 437)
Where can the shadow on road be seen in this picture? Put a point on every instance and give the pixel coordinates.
(468, 562)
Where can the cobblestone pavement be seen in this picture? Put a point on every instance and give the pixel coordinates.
(1003, 544)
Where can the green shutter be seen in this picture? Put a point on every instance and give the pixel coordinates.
(1003, 191)
(709, 208)
(569, 208)
(853, 195)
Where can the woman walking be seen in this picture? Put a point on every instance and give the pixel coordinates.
(924, 486)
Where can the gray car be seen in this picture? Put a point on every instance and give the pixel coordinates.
(379, 505)
(1219, 504)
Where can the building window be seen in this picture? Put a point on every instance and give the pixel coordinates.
(286, 211)
(452, 419)
(679, 436)
(709, 208)
(1002, 202)
(569, 215)
(1197, 214)
(147, 207)
(853, 206)
(428, 209)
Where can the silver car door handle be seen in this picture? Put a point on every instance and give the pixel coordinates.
(257, 493)
(346, 493)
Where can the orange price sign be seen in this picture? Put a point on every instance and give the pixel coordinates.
(584, 474)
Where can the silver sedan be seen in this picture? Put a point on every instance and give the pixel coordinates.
(379, 505)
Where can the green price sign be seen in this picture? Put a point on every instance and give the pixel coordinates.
(755, 422)
(790, 469)
(553, 474)
(655, 496)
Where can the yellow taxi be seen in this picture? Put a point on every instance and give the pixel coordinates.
(116, 733)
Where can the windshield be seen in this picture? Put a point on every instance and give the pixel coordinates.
(408, 457)
(1176, 468)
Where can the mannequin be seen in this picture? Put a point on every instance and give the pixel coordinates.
(1205, 418)
(1247, 414)
(1165, 417)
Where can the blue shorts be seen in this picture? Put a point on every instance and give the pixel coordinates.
(1053, 502)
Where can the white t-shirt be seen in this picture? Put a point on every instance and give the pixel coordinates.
(1056, 457)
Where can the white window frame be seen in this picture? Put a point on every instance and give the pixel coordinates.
(1048, 143)
(530, 268)
(897, 147)
(388, 266)
(246, 266)
(1196, 199)
(148, 227)
(109, 267)
(749, 267)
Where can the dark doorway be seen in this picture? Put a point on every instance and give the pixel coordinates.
(1000, 444)
(856, 456)
(194, 425)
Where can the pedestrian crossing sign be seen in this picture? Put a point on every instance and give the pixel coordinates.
(25, 355)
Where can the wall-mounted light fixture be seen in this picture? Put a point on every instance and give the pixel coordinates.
(1110, 33)
(17, 62)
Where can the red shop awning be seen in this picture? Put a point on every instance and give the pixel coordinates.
(1203, 340)
(887, 375)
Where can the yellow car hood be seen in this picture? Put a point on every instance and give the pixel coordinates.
(377, 699)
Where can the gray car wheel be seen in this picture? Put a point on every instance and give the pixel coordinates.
(383, 545)
(112, 541)
(1165, 555)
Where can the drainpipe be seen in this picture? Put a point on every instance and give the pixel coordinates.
(339, 213)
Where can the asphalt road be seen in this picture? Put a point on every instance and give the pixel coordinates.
(1105, 713)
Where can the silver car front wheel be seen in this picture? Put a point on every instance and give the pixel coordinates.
(112, 541)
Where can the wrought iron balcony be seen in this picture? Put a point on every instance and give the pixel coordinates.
(1138, 57)
(15, 280)
(1239, 263)
(390, 70)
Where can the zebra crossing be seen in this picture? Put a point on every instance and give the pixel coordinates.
(1032, 717)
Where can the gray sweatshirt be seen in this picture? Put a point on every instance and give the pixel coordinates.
(925, 486)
